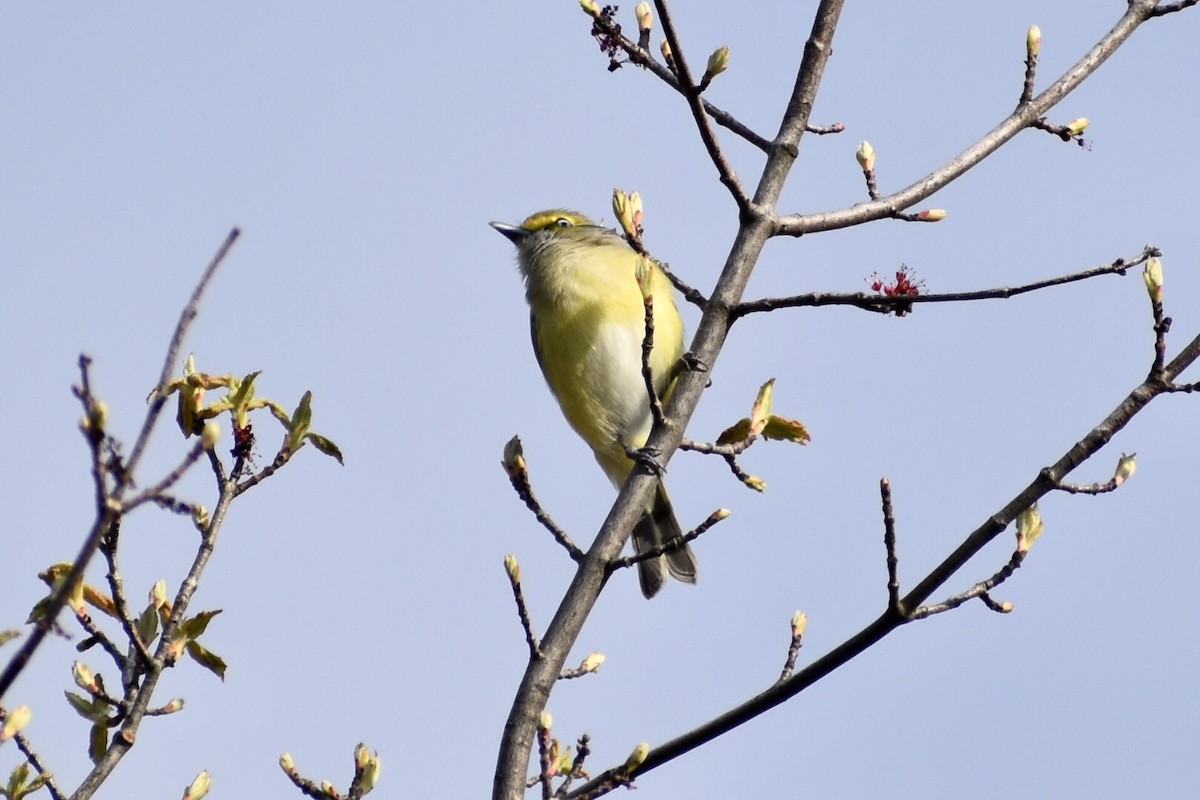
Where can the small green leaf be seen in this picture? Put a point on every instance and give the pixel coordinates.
(207, 659)
(92, 709)
(299, 424)
(326, 446)
(786, 430)
(98, 742)
(737, 432)
(9, 635)
(197, 625)
(17, 778)
(147, 624)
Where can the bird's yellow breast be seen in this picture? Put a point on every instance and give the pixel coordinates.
(588, 324)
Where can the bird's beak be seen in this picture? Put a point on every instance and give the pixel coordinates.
(514, 233)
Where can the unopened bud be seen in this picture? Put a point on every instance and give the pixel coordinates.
(1078, 125)
(1029, 527)
(174, 705)
(623, 209)
(1153, 275)
(1033, 40)
(329, 789)
(665, 49)
(932, 215)
(637, 757)
(514, 457)
(84, 677)
(200, 517)
(799, 623)
(210, 435)
(592, 662)
(866, 156)
(590, 7)
(512, 568)
(286, 764)
(158, 593)
(370, 775)
(642, 274)
(15, 722)
(718, 62)
(645, 17)
(199, 787)
(1125, 468)
(545, 721)
(97, 416)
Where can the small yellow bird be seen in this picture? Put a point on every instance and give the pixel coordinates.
(588, 322)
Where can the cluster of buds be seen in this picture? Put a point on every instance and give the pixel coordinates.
(903, 285)
(367, 765)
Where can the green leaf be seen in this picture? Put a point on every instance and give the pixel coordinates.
(786, 430)
(300, 423)
(240, 395)
(98, 742)
(147, 624)
(207, 659)
(197, 625)
(17, 778)
(326, 446)
(737, 432)
(9, 635)
(90, 708)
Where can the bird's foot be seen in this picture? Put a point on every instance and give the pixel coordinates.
(647, 457)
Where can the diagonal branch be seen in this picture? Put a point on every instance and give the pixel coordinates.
(891, 619)
(1021, 118)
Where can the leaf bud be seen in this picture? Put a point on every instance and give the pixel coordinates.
(645, 17)
(637, 757)
(1078, 125)
(1153, 276)
(718, 62)
(199, 787)
(1125, 468)
(866, 156)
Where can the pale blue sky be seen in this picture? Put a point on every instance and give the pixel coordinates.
(363, 149)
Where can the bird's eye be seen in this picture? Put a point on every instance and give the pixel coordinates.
(563, 222)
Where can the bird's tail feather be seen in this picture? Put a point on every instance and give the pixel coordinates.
(659, 526)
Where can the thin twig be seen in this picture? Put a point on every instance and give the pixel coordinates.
(519, 478)
(979, 590)
(170, 480)
(692, 93)
(873, 302)
(889, 545)
(656, 409)
(181, 328)
(642, 58)
(514, 579)
(677, 543)
(1170, 8)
